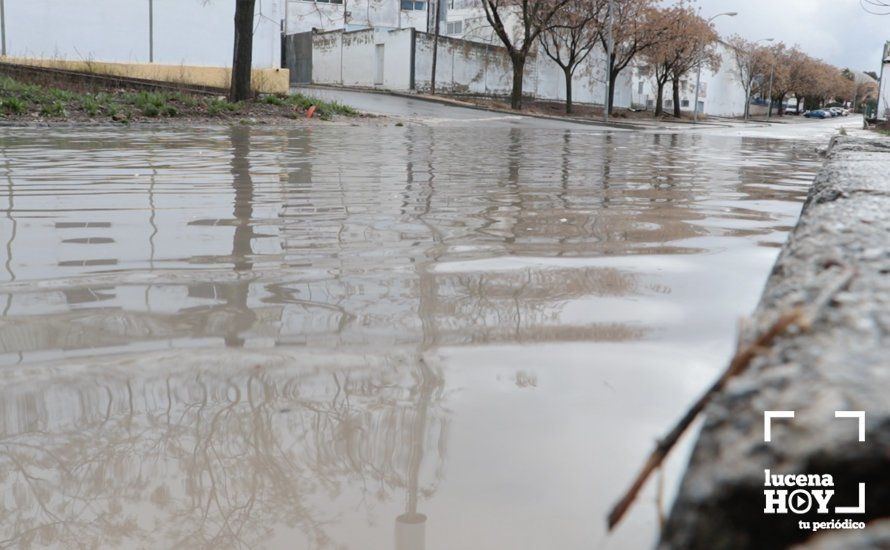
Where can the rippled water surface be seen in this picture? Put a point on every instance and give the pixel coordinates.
(364, 337)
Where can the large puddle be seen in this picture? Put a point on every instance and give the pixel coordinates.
(365, 338)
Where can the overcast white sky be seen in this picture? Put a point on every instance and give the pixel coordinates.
(837, 31)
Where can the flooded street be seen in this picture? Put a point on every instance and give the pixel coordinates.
(366, 337)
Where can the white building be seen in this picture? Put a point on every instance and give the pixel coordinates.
(326, 15)
(884, 86)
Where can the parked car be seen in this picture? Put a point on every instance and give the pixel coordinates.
(818, 113)
(840, 111)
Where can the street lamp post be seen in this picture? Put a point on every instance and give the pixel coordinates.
(698, 75)
(151, 31)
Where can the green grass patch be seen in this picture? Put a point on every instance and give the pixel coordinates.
(54, 109)
(273, 100)
(90, 105)
(18, 98)
(13, 106)
(217, 107)
(324, 109)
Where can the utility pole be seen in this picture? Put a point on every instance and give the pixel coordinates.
(698, 75)
(435, 47)
(151, 31)
(2, 29)
(610, 47)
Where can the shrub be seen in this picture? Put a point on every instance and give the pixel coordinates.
(150, 110)
(13, 105)
(171, 111)
(90, 105)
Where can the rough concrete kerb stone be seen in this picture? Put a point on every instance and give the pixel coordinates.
(841, 363)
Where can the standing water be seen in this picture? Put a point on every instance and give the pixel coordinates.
(356, 337)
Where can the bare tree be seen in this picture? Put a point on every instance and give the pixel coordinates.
(692, 50)
(749, 65)
(533, 16)
(635, 29)
(685, 42)
(571, 37)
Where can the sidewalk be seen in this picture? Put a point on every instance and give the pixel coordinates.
(636, 124)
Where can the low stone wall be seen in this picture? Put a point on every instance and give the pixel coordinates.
(273, 81)
(836, 264)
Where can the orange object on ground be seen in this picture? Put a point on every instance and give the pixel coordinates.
(310, 111)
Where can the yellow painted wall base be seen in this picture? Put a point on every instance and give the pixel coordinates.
(270, 81)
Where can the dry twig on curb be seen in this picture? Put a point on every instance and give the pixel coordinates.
(798, 317)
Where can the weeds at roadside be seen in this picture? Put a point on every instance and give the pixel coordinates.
(13, 105)
(19, 98)
(324, 109)
(55, 109)
(217, 107)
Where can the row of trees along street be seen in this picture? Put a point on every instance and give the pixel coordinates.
(667, 42)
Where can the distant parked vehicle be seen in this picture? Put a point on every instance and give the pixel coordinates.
(819, 113)
(840, 111)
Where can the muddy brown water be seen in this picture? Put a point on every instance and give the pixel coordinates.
(355, 337)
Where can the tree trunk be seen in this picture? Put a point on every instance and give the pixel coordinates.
(568, 74)
(612, 89)
(659, 99)
(242, 60)
(435, 50)
(518, 69)
(675, 84)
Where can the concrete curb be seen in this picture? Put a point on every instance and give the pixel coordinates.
(839, 364)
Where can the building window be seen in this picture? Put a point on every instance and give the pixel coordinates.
(669, 104)
(411, 5)
(454, 27)
(684, 103)
(640, 88)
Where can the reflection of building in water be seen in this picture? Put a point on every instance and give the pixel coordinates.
(215, 452)
(325, 238)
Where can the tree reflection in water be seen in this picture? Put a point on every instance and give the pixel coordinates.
(200, 455)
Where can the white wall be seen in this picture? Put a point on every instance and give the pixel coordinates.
(722, 91)
(479, 69)
(187, 32)
(463, 67)
(350, 58)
